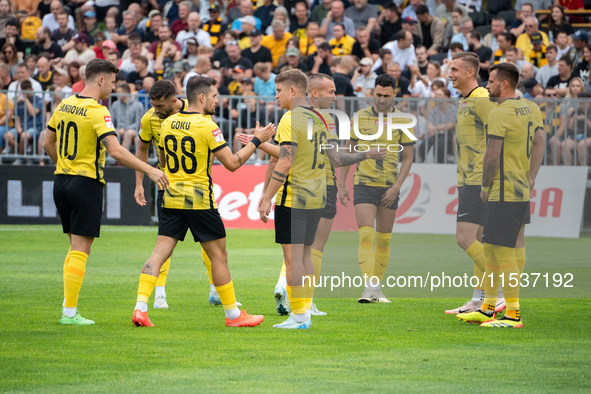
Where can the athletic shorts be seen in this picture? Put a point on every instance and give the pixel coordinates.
(296, 226)
(363, 194)
(79, 202)
(330, 210)
(503, 221)
(470, 205)
(159, 201)
(205, 224)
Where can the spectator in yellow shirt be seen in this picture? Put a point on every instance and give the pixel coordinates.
(341, 44)
(524, 40)
(277, 41)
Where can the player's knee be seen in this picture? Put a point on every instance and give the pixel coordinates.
(463, 241)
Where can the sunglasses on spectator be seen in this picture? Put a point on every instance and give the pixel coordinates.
(233, 42)
(550, 95)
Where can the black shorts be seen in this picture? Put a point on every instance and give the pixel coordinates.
(79, 202)
(363, 194)
(503, 221)
(470, 205)
(205, 224)
(296, 226)
(330, 210)
(159, 201)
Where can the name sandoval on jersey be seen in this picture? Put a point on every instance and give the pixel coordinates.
(72, 109)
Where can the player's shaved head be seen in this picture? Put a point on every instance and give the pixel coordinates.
(321, 90)
(470, 61)
(98, 67)
(316, 81)
(295, 78)
(506, 72)
(197, 86)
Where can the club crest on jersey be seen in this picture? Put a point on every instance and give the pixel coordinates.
(109, 122)
(217, 134)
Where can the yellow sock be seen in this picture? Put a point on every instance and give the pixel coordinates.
(309, 289)
(66, 262)
(74, 277)
(317, 261)
(297, 299)
(520, 257)
(366, 253)
(283, 274)
(382, 254)
(227, 295)
(508, 268)
(146, 287)
(207, 263)
(476, 253)
(512, 313)
(490, 286)
(163, 273)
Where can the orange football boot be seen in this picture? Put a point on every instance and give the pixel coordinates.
(141, 319)
(244, 320)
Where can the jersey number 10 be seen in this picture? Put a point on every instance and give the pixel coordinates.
(186, 154)
(65, 140)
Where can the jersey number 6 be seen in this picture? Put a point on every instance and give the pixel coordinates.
(171, 152)
(530, 139)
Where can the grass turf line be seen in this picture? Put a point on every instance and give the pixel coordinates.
(409, 345)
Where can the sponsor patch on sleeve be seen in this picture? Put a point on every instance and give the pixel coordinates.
(109, 122)
(217, 134)
(333, 129)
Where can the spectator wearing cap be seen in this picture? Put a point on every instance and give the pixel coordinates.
(191, 53)
(214, 26)
(81, 52)
(293, 60)
(127, 28)
(264, 83)
(277, 41)
(537, 56)
(205, 6)
(151, 26)
(408, 24)
(141, 71)
(320, 11)
(246, 9)
(580, 40)
(363, 14)
(411, 9)
(388, 23)
(403, 51)
(531, 88)
(63, 36)
(103, 47)
(235, 87)
(60, 79)
(202, 67)
(341, 44)
(234, 59)
(430, 29)
(43, 43)
(363, 77)
(244, 36)
(257, 53)
(524, 40)
(12, 37)
(336, 15)
(365, 46)
(182, 23)
(265, 13)
(50, 20)
(90, 25)
(193, 31)
(127, 114)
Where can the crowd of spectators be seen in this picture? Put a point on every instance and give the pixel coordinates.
(244, 44)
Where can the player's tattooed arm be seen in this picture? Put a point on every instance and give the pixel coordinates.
(105, 142)
(286, 152)
(491, 160)
(279, 177)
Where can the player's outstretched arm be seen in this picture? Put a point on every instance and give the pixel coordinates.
(342, 159)
(278, 177)
(390, 196)
(490, 164)
(537, 155)
(268, 148)
(49, 145)
(141, 154)
(234, 161)
(123, 156)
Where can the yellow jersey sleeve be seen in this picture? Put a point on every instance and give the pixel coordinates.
(213, 136)
(101, 119)
(497, 127)
(284, 135)
(146, 133)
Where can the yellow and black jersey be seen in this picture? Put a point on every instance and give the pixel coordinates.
(189, 140)
(151, 126)
(473, 113)
(499, 56)
(215, 28)
(514, 121)
(342, 47)
(379, 173)
(305, 186)
(538, 58)
(80, 123)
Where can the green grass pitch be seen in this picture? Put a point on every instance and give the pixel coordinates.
(406, 346)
